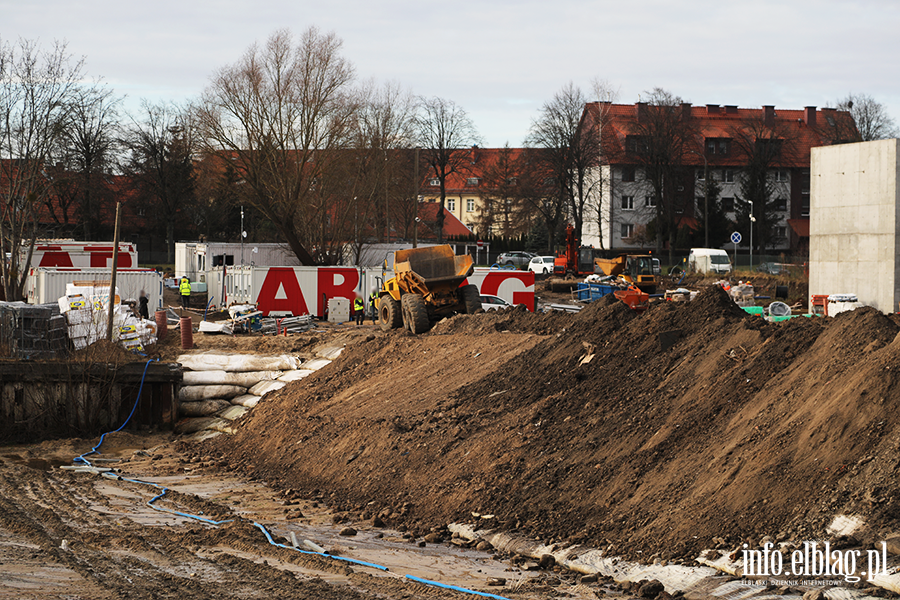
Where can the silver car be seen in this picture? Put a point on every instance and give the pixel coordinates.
(515, 259)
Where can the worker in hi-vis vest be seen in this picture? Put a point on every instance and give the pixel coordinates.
(359, 310)
(185, 288)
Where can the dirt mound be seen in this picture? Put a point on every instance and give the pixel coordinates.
(651, 432)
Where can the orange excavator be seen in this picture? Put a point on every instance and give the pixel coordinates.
(636, 269)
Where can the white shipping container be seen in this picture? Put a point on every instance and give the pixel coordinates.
(196, 259)
(80, 255)
(305, 290)
(49, 285)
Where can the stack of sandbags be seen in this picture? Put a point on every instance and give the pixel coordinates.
(219, 388)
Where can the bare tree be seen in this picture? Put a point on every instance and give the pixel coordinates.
(661, 136)
(161, 149)
(444, 130)
(871, 119)
(762, 147)
(567, 149)
(383, 127)
(36, 93)
(605, 95)
(87, 149)
(541, 194)
(502, 205)
(283, 112)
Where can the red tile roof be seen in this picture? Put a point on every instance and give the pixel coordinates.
(428, 212)
(800, 226)
(808, 129)
(480, 160)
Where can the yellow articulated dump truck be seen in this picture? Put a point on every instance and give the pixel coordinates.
(425, 287)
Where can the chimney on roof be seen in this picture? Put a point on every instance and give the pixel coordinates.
(685, 110)
(731, 109)
(769, 116)
(712, 109)
(809, 115)
(640, 111)
(474, 153)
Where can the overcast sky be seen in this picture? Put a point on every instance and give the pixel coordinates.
(498, 59)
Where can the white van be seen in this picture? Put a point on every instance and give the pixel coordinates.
(708, 260)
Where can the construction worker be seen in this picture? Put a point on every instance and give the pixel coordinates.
(185, 288)
(373, 310)
(359, 309)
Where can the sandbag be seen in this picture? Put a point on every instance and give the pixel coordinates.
(264, 387)
(316, 364)
(193, 425)
(203, 408)
(233, 412)
(234, 363)
(295, 375)
(248, 379)
(248, 400)
(193, 393)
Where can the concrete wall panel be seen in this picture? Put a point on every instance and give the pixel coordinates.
(855, 222)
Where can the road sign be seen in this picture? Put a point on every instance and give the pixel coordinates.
(735, 238)
(480, 244)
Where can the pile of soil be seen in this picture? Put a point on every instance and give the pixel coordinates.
(648, 434)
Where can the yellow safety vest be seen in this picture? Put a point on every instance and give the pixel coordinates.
(358, 304)
(185, 287)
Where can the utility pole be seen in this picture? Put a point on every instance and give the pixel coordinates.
(416, 201)
(112, 279)
(706, 198)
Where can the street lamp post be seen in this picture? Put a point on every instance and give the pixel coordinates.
(705, 199)
(752, 221)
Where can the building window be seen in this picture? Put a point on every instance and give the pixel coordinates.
(701, 174)
(627, 202)
(637, 144)
(434, 182)
(451, 204)
(781, 176)
(723, 147)
(728, 204)
(472, 181)
(728, 176)
(780, 232)
(627, 173)
(710, 146)
(804, 205)
(780, 205)
(470, 204)
(627, 230)
(649, 201)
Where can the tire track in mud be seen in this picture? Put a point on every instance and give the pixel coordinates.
(116, 557)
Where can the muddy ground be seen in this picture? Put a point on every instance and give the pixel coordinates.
(652, 435)
(79, 536)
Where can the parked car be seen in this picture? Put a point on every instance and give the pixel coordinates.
(515, 259)
(541, 264)
(493, 303)
(774, 268)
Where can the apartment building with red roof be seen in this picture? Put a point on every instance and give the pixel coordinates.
(475, 195)
(715, 146)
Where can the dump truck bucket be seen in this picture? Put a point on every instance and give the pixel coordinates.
(435, 264)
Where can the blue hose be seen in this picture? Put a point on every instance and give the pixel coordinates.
(82, 459)
(453, 587)
(163, 490)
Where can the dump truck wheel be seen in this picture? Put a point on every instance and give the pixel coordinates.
(416, 313)
(470, 298)
(389, 316)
